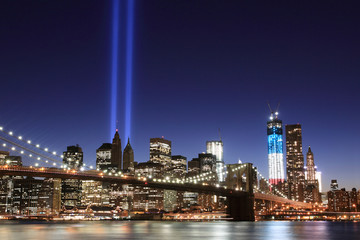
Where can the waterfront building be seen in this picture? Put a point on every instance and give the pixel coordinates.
(71, 188)
(294, 162)
(275, 149)
(7, 182)
(128, 158)
(343, 201)
(116, 152)
(49, 201)
(94, 193)
(122, 196)
(26, 196)
(160, 151)
(216, 148)
(145, 198)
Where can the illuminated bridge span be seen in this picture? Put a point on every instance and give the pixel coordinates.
(240, 203)
(245, 188)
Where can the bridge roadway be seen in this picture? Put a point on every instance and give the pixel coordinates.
(277, 199)
(241, 203)
(86, 175)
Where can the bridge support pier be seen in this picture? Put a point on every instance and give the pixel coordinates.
(241, 208)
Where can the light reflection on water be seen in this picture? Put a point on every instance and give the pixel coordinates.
(180, 230)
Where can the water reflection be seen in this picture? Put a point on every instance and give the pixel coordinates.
(180, 230)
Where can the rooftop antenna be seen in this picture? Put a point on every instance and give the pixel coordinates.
(117, 125)
(220, 135)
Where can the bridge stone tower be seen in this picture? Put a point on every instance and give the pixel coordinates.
(241, 177)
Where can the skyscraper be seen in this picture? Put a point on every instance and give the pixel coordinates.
(128, 158)
(275, 149)
(295, 162)
(310, 167)
(178, 166)
(73, 157)
(71, 188)
(312, 185)
(160, 151)
(116, 152)
(217, 148)
(103, 156)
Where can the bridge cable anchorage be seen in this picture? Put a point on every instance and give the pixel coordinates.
(37, 146)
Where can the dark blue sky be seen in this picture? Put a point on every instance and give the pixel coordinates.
(198, 66)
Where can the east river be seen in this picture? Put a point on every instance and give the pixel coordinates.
(276, 230)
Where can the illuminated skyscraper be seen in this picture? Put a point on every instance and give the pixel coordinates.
(310, 167)
(217, 148)
(160, 151)
(128, 158)
(295, 162)
(71, 188)
(116, 152)
(275, 149)
(312, 185)
(73, 157)
(103, 156)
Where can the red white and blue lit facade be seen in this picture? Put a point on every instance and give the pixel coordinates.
(275, 150)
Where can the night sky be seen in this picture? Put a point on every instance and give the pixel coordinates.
(198, 66)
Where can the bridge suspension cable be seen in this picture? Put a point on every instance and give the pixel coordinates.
(27, 155)
(36, 146)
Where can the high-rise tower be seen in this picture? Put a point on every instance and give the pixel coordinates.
(275, 149)
(295, 162)
(160, 151)
(310, 167)
(116, 152)
(128, 157)
(73, 157)
(71, 188)
(312, 184)
(217, 148)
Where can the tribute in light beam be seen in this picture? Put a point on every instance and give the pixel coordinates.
(129, 59)
(114, 65)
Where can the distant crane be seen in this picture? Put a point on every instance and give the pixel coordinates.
(271, 111)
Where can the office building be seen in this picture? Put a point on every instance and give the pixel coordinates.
(116, 152)
(128, 158)
(73, 157)
(160, 151)
(71, 188)
(216, 148)
(295, 162)
(275, 149)
(178, 166)
(103, 156)
(343, 201)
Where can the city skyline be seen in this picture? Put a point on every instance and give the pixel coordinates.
(59, 86)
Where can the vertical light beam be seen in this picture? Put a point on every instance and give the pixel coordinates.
(129, 60)
(114, 65)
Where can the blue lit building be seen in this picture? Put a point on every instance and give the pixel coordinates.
(275, 149)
